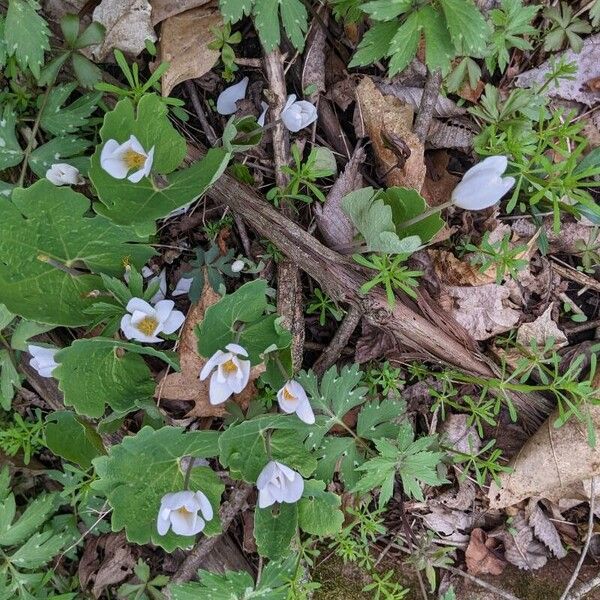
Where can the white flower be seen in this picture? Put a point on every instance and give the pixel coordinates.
(482, 186)
(237, 265)
(118, 159)
(146, 321)
(226, 102)
(293, 399)
(278, 483)
(263, 115)
(179, 511)
(230, 376)
(64, 174)
(298, 114)
(183, 286)
(42, 359)
(161, 293)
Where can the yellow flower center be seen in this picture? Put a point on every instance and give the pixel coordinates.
(229, 367)
(147, 325)
(133, 159)
(287, 395)
(184, 512)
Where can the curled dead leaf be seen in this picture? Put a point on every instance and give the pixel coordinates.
(163, 9)
(542, 330)
(520, 547)
(482, 555)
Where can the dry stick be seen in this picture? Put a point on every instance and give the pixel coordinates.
(585, 588)
(484, 584)
(206, 128)
(339, 341)
(228, 512)
(289, 292)
(586, 546)
(429, 98)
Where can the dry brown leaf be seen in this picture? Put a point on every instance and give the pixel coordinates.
(373, 343)
(545, 530)
(484, 311)
(388, 121)
(566, 241)
(541, 330)
(184, 40)
(552, 464)
(482, 556)
(335, 227)
(520, 548)
(588, 67)
(451, 524)
(460, 435)
(186, 385)
(449, 135)
(163, 9)
(444, 107)
(453, 271)
(439, 183)
(128, 25)
(313, 70)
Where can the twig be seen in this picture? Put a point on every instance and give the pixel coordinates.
(289, 290)
(228, 511)
(585, 588)
(484, 584)
(339, 341)
(586, 546)
(208, 130)
(429, 98)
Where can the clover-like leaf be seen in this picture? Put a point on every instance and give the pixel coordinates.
(47, 248)
(274, 528)
(135, 203)
(97, 372)
(319, 511)
(140, 470)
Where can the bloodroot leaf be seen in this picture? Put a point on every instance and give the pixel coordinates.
(48, 247)
(140, 470)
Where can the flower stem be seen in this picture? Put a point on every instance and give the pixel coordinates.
(188, 473)
(281, 368)
(431, 211)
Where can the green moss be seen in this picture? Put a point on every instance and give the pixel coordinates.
(529, 587)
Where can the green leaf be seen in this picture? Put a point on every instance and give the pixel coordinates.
(406, 204)
(376, 419)
(319, 511)
(60, 149)
(266, 21)
(60, 120)
(126, 202)
(374, 219)
(439, 50)
(38, 550)
(36, 513)
(403, 45)
(26, 35)
(341, 453)
(10, 149)
(6, 317)
(72, 439)
(385, 10)
(244, 447)
(25, 330)
(274, 528)
(375, 44)
(234, 10)
(468, 28)
(88, 74)
(44, 241)
(9, 379)
(93, 373)
(295, 22)
(135, 493)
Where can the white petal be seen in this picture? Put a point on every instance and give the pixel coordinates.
(147, 271)
(237, 349)
(293, 490)
(149, 161)
(183, 286)
(269, 471)
(135, 145)
(137, 176)
(140, 305)
(108, 150)
(115, 167)
(205, 507)
(237, 266)
(129, 331)
(162, 524)
(263, 115)
(211, 363)
(186, 524)
(265, 498)
(497, 164)
(288, 473)
(290, 100)
(218, 392)
(305, 412)
(175, 500)
(163, 309)
(173, 322)
(226, 102)
(239, 380)
(162, 286)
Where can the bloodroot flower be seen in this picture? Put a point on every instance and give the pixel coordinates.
(298, 114)
(227, 100)
(231, 373)
(278, 483)
(179, 512)
(119, 159)
(293, 399)
(145, 321)
(482, 186)
(42, 359)
(64, 174)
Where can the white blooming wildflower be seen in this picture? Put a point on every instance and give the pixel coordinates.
(179, 512)
(226, 102)
(298, 114)
(64, 174)
(482, 186)
(231, 373)
(145, 321)
(263, 115)
(293, 399)
(161, 293)
(237, 265)
(182, 286)
(42, 359)
(119, 159)
(278, 483)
